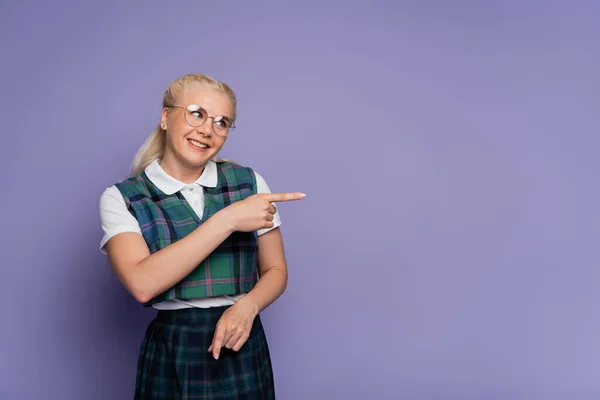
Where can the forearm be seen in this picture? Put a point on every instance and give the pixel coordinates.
(165, 268)
(269, 287)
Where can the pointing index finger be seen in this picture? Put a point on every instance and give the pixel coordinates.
(289, 196)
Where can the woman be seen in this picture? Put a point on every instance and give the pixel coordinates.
(190, 234)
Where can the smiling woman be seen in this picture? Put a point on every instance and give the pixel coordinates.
(195, 115)
(197, 238)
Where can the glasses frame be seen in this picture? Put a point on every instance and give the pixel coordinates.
(231, 127)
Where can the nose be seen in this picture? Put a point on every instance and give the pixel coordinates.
(206, 128)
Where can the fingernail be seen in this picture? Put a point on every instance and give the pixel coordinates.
(217, 356)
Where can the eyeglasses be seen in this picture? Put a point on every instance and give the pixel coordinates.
(196, 116)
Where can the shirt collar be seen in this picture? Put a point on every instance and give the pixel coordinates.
(169, 185)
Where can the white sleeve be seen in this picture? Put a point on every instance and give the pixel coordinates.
(114, 216)
(262, 187)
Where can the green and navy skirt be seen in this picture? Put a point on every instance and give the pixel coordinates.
(174, 362)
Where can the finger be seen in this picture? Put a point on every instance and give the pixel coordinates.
(269, 217)
(290, 196)
(232, 335)
(228, 335)
(238, 345)
(218, 340)
(233, 340)
(269, 208)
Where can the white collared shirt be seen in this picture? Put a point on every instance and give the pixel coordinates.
(115, 217)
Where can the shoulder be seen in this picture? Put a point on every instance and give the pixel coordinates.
(235, 173)
(115, 217)
(229, 167)
(111, 194)
(261, 183)
(132, 186)
(112, 204)
(226, 165)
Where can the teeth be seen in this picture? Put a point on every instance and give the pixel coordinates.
(196, 143)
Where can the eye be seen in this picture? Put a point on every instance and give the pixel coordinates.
(196, 111)
(222, 122)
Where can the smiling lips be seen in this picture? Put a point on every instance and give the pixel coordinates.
(197, 145)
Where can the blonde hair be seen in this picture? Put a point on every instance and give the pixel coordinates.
(154, 147)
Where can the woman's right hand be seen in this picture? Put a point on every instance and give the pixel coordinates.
(255, 212)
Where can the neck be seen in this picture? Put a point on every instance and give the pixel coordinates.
(179, 171)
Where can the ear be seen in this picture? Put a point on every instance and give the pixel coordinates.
(163, 118)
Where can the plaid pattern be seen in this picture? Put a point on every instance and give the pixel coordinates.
(174, 362)
(232, 267)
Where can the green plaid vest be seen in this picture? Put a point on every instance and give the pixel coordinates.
(232, 267)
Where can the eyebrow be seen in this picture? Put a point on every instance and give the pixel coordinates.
(204, 108)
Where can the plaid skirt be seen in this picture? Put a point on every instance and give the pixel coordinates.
(174, 362)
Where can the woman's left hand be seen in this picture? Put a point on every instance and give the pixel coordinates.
(233, 328)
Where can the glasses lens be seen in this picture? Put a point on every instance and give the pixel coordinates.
(195, 115)
(222, 125)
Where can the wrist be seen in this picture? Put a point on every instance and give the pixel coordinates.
(225, 221)
(251, 305)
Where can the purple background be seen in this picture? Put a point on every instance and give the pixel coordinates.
(448, 246)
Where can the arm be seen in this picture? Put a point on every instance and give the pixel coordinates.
(233, 329)
(272, 267)
(272, 271)
(144, 275)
